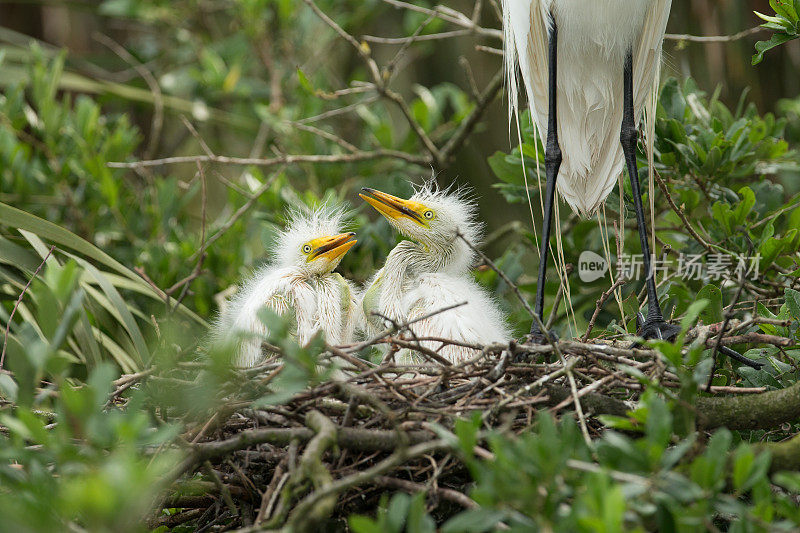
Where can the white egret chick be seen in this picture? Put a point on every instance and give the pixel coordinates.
(431, 271)
(299, 283)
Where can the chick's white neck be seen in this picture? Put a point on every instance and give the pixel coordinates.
(449, 255)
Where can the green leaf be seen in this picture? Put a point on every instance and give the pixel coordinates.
(748, 200)
(17, 256)
(419, 521)
(123, 314)
(788, 480)
(762, 47)
(363, 524)
(15, 218)
(692, 313)
(8, 387)
(304, 83)
(467, 433)
(712, 313)
(743, 462)
(724, 215)
(474, 521)
(748, 468)
(793, 302)
(397, 512)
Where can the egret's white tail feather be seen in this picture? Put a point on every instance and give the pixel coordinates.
(594, 38)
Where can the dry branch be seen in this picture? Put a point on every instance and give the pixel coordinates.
(759, 411)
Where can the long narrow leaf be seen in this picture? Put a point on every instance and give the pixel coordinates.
(17, 256)
(16, 218)
(127, 320)
(116, 305)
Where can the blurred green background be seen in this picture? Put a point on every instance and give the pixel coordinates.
(258, 45)
(259, 78)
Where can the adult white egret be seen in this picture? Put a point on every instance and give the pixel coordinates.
(589, 69)
(300, 283)
(432, 271)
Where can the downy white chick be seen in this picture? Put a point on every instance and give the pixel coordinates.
(300, 282)
(431, 271)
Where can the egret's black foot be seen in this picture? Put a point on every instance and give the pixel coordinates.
(656, 329)
(736, 356)
(536, 336)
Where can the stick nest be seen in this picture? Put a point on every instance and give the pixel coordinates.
(335, 448)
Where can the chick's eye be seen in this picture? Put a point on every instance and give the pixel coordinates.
(306, 248)
(428, 214)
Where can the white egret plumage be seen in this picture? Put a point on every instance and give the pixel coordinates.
(300, 283)
(431, 271)
(589, 69)
(594, 40)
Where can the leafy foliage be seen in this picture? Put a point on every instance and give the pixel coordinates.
(550, 479)
(785, 25)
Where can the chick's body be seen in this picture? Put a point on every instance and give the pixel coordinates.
(432, 272)
(301, 285)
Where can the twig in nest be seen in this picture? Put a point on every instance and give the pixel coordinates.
(413, 488)
(279, 477)
(305, 507)
(528, 388)
(223, 489)
(572, 385)
(599, 306)
(400, 326)
(311, 467)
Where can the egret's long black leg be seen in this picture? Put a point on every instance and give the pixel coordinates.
(552, 162)
(654, 325)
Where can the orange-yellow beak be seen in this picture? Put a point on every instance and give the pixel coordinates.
(331, 248)
(393, 207)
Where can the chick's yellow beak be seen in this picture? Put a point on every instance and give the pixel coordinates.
(393, 207)
(331, 248)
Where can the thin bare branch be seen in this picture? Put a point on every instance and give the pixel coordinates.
(19, 301)
(158, 99)
(363, 51)
(273, 161)
(599, 305)
(449, 15)
(713, 38)
(417, 38)
(500, 273)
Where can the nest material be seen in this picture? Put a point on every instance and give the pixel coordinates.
(335, 449)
